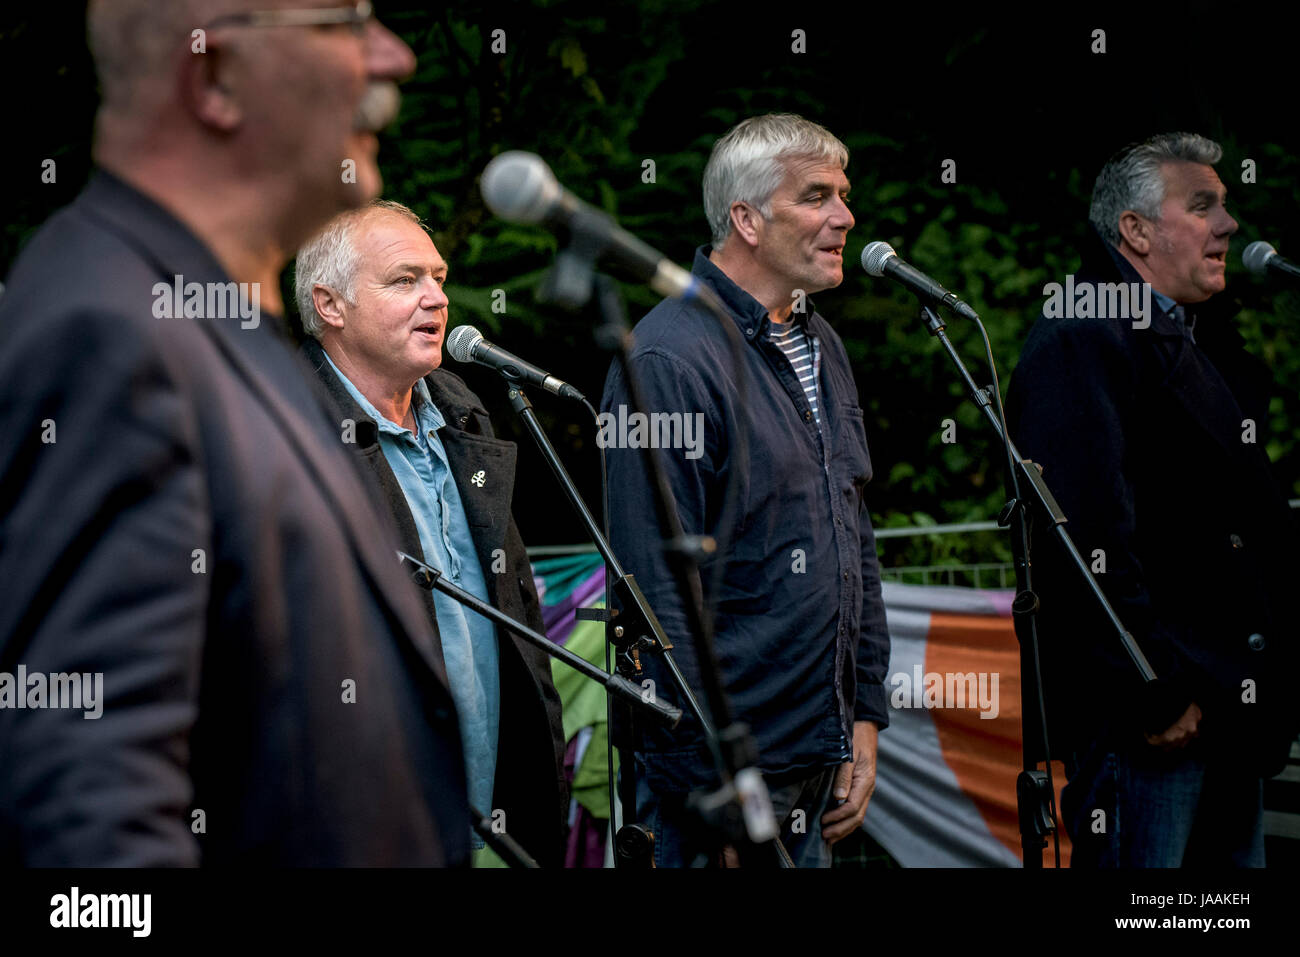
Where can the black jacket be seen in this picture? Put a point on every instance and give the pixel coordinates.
(530, 786)
(196, 535)
(800, 629)
(1141, 436)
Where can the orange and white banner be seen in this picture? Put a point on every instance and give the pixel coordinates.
(947, 766)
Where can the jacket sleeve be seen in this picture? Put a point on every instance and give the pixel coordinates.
(871, 703)
(102, 508)
(1073, 397)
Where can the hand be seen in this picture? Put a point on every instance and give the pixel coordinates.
(1181, 733)
(855, 782)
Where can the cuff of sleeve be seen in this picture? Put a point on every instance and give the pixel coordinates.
(872, 705)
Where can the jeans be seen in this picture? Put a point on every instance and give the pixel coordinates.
(1132, 805)
(798, 807)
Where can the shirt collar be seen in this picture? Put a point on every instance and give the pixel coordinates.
(750, 314)
(426, 413)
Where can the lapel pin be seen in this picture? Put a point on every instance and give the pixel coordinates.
(479, 478)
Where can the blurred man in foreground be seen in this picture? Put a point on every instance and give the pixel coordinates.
(176, 514)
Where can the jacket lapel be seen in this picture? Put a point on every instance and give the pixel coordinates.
(484, 471)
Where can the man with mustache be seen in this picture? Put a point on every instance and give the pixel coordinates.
(176, 511)
(1150, 431)
(369, 290)
(800, 626)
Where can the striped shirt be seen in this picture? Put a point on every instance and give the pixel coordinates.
(804, 353)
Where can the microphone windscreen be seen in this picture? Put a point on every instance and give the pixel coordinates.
(461, 343)
(519, 187)
(1256, 256)
(874, 256)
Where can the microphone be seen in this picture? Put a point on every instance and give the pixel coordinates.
(521, 188)
(466, 344)
(1259, 257)
(879, 259)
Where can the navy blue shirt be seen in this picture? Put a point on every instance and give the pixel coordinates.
(800, 625)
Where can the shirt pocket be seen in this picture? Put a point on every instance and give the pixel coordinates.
(850, 460)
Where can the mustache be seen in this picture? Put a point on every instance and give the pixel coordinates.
(378, 107)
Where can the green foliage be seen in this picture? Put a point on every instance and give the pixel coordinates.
(598, 88)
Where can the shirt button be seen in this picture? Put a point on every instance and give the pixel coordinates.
(807, 415)
(1236, 541)
(1256, 642)
(838, 520)
(846, 576)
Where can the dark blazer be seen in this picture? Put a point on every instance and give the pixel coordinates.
(1140, 433)
(530, 786)
(196, 535)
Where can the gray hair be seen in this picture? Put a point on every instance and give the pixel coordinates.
(747, 164)
(330, 258)
(1132, 178)
(135, 43)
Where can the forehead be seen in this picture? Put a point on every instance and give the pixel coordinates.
(385, 238)
(802, 172)
(1184, 179)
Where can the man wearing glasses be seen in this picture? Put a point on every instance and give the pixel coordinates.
(177, 518)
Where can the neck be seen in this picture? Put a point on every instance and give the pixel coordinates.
(392, 400)
(233, 220)
(741, 268)
(1139, 263)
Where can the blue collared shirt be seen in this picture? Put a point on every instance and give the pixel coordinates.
(469, 641)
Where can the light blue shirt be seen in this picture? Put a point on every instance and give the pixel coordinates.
(1175, 312)
(469, 641)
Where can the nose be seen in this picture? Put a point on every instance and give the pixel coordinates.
(842, 216)
(387, 56)
(1226, 225)
(434, 297)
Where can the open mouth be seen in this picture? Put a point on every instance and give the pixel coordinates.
(1219, 257)
(430, 329)
(836, 251)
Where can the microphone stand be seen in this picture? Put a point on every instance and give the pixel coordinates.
(429, 577)
(1030, 496)
(426, 576)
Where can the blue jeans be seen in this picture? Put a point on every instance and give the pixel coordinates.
(1133, 805)
(801, 833)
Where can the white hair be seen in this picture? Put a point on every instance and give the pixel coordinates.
(1133, 178)
(330, 258)
(748, 164)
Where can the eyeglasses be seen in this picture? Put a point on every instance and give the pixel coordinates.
(356, 15)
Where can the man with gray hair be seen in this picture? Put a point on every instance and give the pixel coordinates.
(176, 511)
(369, 290)
(800, 626)
(1148, 429)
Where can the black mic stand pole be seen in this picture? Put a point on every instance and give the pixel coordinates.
(1034, 796)
(429, 577)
